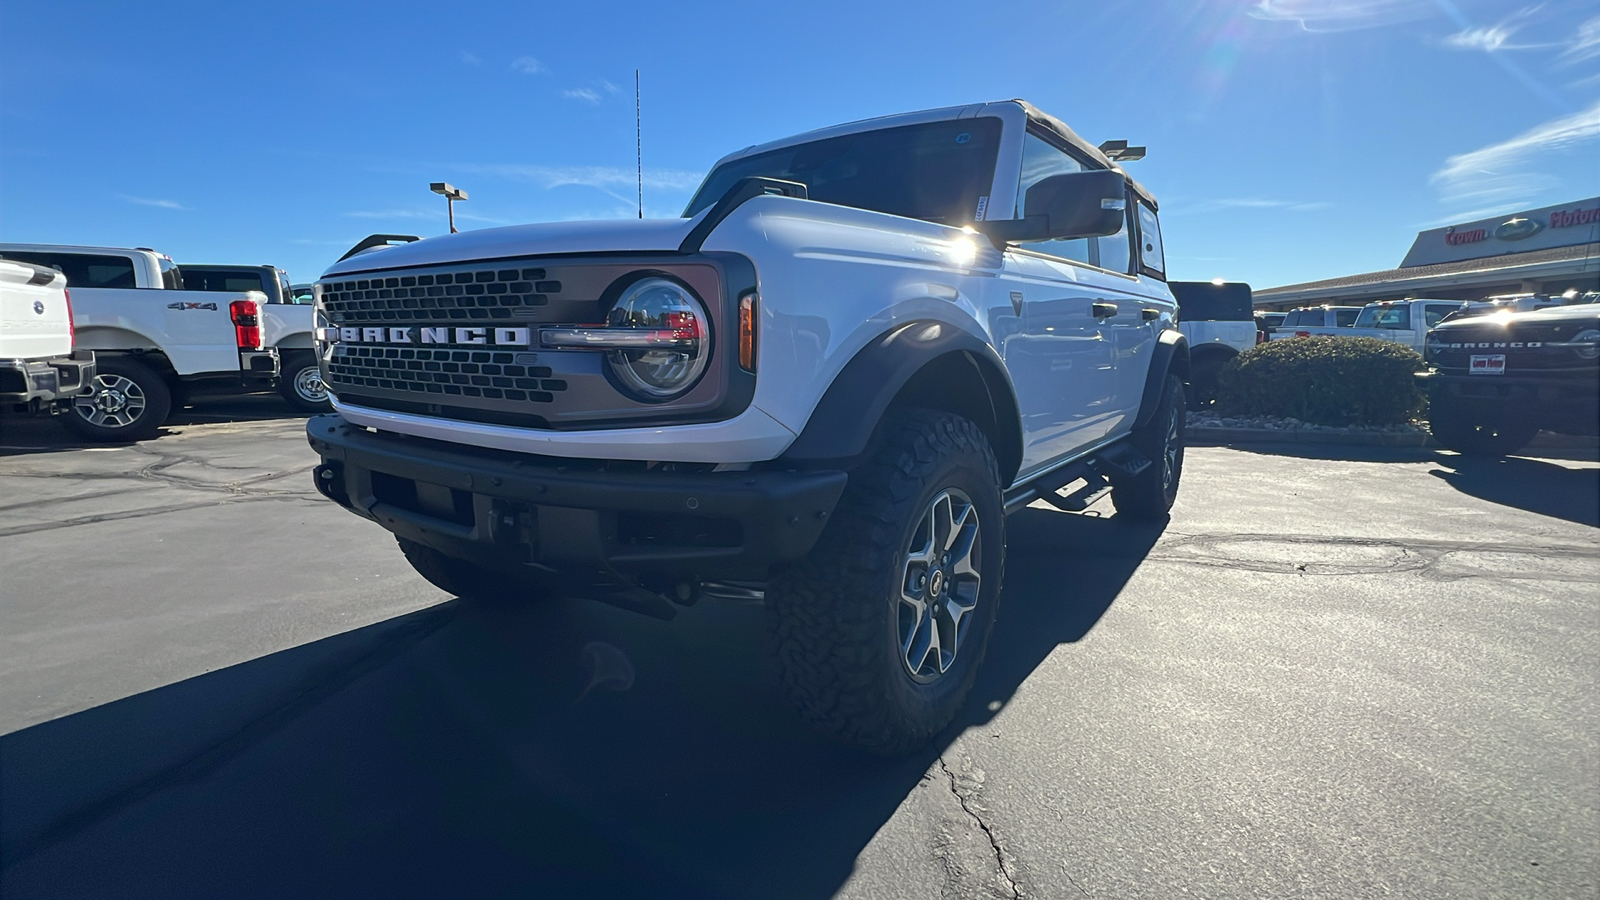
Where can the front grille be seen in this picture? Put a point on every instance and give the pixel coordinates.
(440, 295)
(491, 374)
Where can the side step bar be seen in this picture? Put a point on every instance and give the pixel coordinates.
(1094, 470)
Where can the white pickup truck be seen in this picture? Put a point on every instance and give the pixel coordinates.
(40, 369)
(155, 343)
(287, 322)
(1402, 321)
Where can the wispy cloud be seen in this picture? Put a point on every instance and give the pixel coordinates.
(587, 95)
(1585, 44)
(527, 65)
(591, 176)
(1170, 208)
(1491, 38)
(1343, 15)
(391, 214)
(163, 204)
(1495, 177)
(470, 58)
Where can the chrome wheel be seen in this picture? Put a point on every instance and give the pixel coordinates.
(117, 402)
(939, 585)
(308, 385)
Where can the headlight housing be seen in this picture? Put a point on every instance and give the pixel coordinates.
(674, 338)
(1587, 344)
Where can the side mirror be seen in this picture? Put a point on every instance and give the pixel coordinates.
(1071, 205)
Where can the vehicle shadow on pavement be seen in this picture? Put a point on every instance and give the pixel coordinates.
(1549, 489)
(454, 752)
(20, 436)
(1534, 485)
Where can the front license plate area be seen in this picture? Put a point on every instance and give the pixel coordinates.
(1487, 364)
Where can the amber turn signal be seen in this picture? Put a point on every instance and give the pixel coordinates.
(747, 331)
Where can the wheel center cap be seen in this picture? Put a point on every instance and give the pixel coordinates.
(936, 582)
(111, 401)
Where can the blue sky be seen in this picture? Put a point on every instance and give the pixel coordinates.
(1289, 139)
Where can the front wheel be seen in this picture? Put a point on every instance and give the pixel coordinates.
(1454, 428)
(301, 385)
(882, 628)
(1150, 494)
(128, 402)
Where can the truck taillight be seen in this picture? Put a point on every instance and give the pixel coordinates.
(72, 325)
(747, 332)
(246, 323)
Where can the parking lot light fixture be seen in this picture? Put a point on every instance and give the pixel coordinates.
(451, 194)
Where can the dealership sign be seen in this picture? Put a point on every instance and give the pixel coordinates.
(1564, 225)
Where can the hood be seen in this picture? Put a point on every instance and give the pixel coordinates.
(1574, 315)
(544, 239)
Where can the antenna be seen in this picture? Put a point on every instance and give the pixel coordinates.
(638, 140)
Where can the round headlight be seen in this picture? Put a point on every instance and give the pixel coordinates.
(679, 343)
(1589, 343)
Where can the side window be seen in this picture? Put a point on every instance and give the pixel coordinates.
(1345, 316)
(1116, 251)
(1393, 317)
(1152, 258)
(83, 269)
(1434, 312)
(1040, 160)
(171, 277)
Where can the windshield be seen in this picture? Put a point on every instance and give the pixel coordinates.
(1392, 316)
(937, 171)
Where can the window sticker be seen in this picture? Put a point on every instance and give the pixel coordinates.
(983, 205)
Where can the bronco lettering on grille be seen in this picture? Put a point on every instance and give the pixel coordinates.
(470, 337)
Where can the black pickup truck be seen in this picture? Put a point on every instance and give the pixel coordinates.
(1495, 381)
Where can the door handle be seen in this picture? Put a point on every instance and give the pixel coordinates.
(1103, 310)
(1150, 315)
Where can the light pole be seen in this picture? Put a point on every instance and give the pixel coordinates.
(451, 195)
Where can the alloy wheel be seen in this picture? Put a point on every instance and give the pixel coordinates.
(939, 585)
(117, 402)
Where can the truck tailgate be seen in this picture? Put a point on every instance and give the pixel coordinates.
(34, 322)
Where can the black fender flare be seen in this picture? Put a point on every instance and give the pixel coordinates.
(1171, 355)
(843, 422)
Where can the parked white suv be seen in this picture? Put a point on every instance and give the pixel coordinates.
(827, 384)
(155, 343)
(1218, 318)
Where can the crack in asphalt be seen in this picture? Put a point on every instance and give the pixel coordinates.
(148, 511)
(1003, 870)
(1333, 555)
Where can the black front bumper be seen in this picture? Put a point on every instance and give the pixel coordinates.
(44, 385)
(505, 509)
(1566, 401)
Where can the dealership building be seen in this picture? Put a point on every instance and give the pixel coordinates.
(1549, 250)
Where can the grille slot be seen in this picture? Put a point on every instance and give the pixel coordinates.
(439, 296)
(491, 374)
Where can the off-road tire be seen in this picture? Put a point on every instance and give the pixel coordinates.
(835, 614)
(1455, 429)
(465, 579)
(1202, 392)
(154, 396)
(290, 382)
(1149, 495)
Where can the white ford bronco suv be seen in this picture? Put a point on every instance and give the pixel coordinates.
(827, 385)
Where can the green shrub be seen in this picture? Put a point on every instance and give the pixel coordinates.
(1324, 381)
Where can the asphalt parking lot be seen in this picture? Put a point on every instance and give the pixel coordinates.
(1338, 672)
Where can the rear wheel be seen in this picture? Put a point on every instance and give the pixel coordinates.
(129, 402)
(1150, 494)
(1202, 393)
(1457, 429)
(301, 385)
(882, 628)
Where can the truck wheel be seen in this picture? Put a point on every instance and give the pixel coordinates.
(1149, 495)
(1202, 393)
(462, 578)
(129, 402)
(301, 385)
(881, 629)
(1456, 430)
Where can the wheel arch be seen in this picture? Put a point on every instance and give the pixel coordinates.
(920, 363)
(1171, 356)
